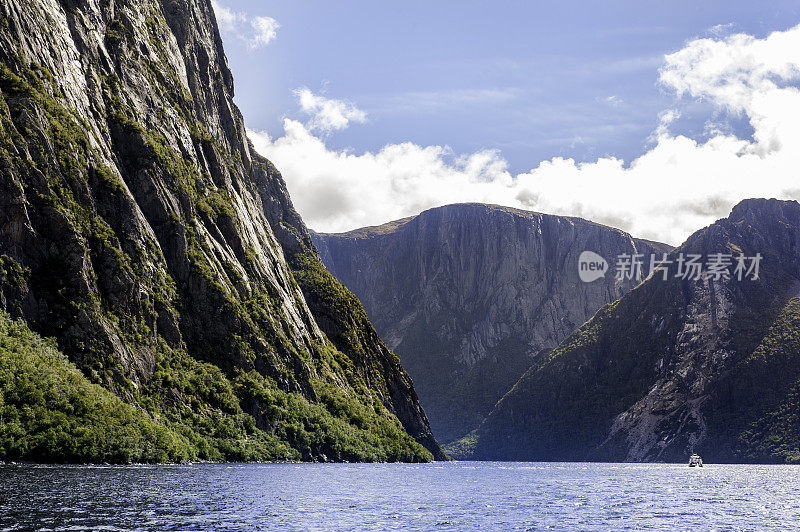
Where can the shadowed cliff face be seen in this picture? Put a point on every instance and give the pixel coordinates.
(340, 314)
(469, 295)
(676, 366)
(139, 228)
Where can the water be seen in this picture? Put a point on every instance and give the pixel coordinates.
(441, 496)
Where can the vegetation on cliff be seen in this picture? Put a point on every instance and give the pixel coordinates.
(675, 366)
(134, 237)
(50, 412)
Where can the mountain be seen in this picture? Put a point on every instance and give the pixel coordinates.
(140, 231)
(708, 365)
(470, 295)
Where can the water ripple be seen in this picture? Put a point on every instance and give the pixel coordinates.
(443, 496)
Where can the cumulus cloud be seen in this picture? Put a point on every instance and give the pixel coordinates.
(265, 29)
(256, 32)
(677, 186)
(338, 190)
(328, 114)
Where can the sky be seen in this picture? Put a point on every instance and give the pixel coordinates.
(654, 117)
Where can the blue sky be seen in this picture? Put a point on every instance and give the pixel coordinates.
(532, 80)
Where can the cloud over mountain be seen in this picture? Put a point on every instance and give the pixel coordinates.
(678, 185)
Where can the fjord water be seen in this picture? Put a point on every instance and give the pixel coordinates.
(439, 496)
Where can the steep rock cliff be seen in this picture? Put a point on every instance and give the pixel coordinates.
(469, 295)
(135, 228)
(676, 366)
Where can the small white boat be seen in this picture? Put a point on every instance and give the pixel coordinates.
(695, 461)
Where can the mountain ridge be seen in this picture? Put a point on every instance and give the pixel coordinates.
(673, 367)
(394, 225)
(468, 295)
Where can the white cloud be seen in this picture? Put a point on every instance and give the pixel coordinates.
(337, 190)
(256, 32)
(676, 187)
(665, 119)
(227, 19)
(328, 114)
(265, 30)
(721, 30)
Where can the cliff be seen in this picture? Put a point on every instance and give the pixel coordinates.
(708, 365)
(469, 296)
(140, 230)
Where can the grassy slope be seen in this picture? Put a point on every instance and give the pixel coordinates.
(50, 412)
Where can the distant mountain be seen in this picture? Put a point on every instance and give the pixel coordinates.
(470, 295)
(675, 366)
(140, 231)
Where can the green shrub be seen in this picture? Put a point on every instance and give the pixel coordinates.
(49, 412)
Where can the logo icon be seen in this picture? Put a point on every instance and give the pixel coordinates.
(591, 266)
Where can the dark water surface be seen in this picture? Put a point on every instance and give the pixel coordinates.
(441, 496)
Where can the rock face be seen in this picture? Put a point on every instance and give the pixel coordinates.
(676, 366)
(470, 295)
(139, 228)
